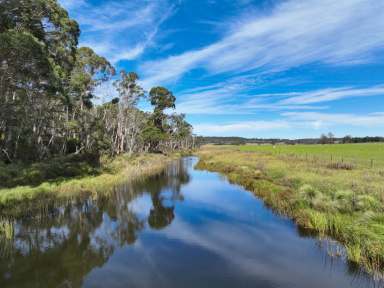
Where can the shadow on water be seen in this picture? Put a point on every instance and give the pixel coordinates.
(64, 242)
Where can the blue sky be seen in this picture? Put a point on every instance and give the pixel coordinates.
(261, 68)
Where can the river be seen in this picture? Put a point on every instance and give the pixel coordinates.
(182, 228)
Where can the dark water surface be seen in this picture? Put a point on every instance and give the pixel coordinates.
(183, 228)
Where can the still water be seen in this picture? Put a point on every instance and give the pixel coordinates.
(183, 228)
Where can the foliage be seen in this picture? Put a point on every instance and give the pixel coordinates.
(22, 200)
(47, 86)
(161, 99)
(56, 169)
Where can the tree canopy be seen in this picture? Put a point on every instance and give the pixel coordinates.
(47, 93)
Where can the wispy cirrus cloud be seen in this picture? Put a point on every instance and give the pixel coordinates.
(297, 110)
(233, 97)
(331, 94)
(120, 30)
(331, 119)
(288, 123)
(71, 4)
(293, 34)
(239, 128)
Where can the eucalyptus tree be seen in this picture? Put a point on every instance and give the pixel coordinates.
(180, 131)
(156, 131)
(37, 51)
(47, 93)
(130, 120)
(161, 98)
(89, 71)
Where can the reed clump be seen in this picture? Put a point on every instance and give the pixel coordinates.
(122, 169)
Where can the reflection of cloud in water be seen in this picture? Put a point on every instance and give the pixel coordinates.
(273, 254)
(141, 206)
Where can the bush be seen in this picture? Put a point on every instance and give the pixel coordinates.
(17, 174)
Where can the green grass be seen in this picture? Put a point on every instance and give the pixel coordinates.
(20, 200)
(56, 169)
(346, 204)
(361, 154)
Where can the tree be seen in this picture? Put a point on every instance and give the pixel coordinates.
(161, 98)
(323, 139)
(129, 91)
(181, 132)
(49, 24)
(130, 121)
(347, 139)
(89, 71)
(37, 50)
(47, 87)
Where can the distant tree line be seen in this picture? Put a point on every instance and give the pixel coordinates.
(47, 86)
(350, 139)
(324, 139)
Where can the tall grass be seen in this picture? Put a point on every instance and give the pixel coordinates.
(56, 169)
(347, 205)
(15, 201)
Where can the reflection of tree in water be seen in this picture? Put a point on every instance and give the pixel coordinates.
(161, 215)
(65, 241)
(54, 248)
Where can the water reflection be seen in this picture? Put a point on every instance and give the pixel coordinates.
(66, 240)
(181, 228)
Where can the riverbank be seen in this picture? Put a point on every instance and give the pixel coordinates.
(343, 202)
(112, 172)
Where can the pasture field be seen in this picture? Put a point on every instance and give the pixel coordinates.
(338, 198)
(364, 154)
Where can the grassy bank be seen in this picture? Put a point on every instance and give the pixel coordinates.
(56, 169)
(345, 202)
(13, 201)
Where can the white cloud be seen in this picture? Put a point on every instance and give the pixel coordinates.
(294, 33)
(129, 54)
(331, 94)
(115, 17)
(105, 92)
(233, 97)
(239, 128)
(120, 30)
(71, 4)
(289, 123)
(334, 119)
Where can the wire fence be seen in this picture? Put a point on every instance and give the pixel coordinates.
(330, 160)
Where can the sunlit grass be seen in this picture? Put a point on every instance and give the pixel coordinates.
(371, 154)
(117, 171)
